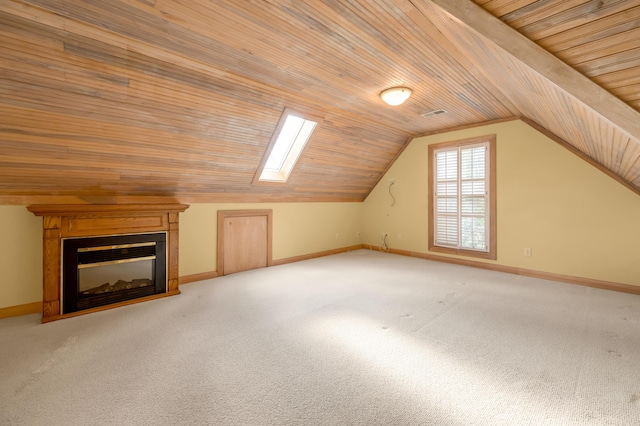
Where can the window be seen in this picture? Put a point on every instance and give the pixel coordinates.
(462, 197)
(290, 138)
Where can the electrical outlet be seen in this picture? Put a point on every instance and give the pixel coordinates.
(527, 251)
(357, 234)
(393, 181)
(337, 235)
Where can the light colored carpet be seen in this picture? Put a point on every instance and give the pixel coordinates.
(360, 338)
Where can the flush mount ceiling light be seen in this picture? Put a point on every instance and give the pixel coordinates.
(395, 95)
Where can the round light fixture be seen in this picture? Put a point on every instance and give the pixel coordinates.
(395, 95)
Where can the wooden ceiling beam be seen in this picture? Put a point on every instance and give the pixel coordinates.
(615, 111)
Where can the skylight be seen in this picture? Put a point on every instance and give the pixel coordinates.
(291, 139)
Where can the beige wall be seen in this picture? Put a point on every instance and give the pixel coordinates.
(298, 229)
(576, 220)
(20, 256)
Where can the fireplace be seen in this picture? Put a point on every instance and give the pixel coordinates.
(97, 257)
(104, 270)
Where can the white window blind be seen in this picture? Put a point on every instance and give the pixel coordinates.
(462, 197)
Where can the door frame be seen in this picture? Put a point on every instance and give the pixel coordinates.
(224, 214)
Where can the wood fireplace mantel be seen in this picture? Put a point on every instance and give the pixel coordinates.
(89, 220)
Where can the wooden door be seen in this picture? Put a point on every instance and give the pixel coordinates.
(244, 240)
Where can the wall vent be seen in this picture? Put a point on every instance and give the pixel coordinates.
(432, 113)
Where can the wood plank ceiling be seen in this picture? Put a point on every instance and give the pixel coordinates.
(150, 100)
(600, 39)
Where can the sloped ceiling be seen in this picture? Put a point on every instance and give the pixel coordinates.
(131, 100)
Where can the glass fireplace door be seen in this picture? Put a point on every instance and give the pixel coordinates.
(104, 270)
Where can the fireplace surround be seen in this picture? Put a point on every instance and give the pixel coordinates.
(103, 236)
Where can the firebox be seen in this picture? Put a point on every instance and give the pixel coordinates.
(99, 271)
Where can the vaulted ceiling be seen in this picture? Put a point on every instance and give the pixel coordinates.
(111, 101)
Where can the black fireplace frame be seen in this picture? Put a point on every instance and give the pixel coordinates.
(72, 302)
